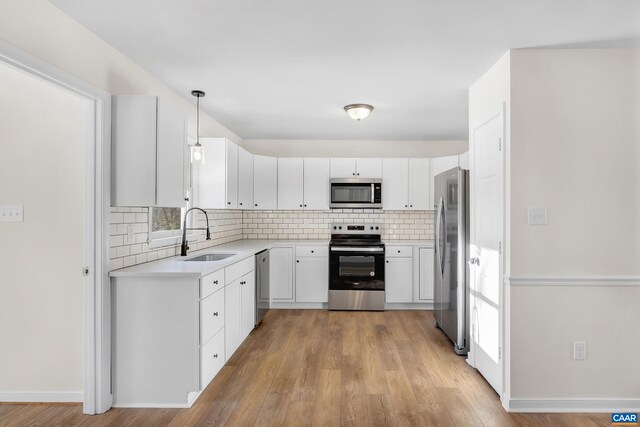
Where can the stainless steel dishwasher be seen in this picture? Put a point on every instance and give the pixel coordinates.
(262, 285)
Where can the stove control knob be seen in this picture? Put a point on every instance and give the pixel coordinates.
(340, 228)
(372, 228)
(377, 228)
(334, 227)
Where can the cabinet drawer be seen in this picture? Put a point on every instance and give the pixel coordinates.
(211, 283)
(211, 315)
(211, 359)
(239, 269)
(398, 251)
(305, 251)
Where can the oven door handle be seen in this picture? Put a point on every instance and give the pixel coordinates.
(352, 249)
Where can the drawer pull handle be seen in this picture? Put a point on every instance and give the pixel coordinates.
(215, 356)
(215, 282)
(398, 251)
(215, 314)
(312, 252)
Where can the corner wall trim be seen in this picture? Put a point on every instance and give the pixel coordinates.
(573, 405)
(572, 281)
(42, 397)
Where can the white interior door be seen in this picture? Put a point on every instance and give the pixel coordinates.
(486, 236)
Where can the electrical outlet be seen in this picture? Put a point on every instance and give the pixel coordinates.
(579, 351)
(537, 216)
(13, 213)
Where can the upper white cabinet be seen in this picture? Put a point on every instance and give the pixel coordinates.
(395, 184)
(316, 184)
(149, 153)
(245, 179)
(354, 168)
(405, 184)
(218, 176)
(290, 183)
(265, 182)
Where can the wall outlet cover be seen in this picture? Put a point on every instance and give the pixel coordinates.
(537, 216)
(11, 213)
(579, 350)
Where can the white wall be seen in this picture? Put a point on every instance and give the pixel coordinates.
(41, 29)
(575, 149)
(354, 148)
(43, 132)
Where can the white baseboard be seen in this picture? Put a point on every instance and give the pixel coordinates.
(299, 305)
(573, 405)
(42, 397)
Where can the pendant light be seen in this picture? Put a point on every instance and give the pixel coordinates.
(358, 111)
(197, 151)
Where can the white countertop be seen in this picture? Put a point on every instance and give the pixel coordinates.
(242, 249)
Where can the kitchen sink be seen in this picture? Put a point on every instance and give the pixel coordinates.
(209, 257)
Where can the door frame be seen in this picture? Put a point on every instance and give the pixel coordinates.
(97, 397)
(502, 114)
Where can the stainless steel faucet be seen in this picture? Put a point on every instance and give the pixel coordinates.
(184, 247)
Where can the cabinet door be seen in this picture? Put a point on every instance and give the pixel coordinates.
(395, 184)
(290, 183)
(425, 291)
(343, 168)
(134, 150)
(232, 175)
(398, 277)
(212, 175)
(265, 182)
(419, 177)
(312, 279)
(316, 184)
(281, 274)
(369, 168)
(232, 317)
(248, 301)
(170, 157)
(245, 179)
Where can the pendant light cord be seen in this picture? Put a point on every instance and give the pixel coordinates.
(198, 123)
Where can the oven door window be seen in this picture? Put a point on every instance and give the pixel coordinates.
(357, 266)
(351, 193)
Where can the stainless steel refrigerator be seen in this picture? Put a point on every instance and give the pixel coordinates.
(451, 271)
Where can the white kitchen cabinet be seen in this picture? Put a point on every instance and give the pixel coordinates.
(245, 179)
(290, 183)
(316, 184)
(281, 274)
(265, 182)
(439, 165)
(419, 177)
(218, 176)
(405, 184)
(239, 302)
(395, 184)
(425, 279)
(149, 152)
(356, 168)
(312, 274)
(398, 276)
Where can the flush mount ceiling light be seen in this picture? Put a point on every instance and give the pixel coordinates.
(197, 151)
(358, 111)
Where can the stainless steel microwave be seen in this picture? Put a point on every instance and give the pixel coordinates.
(355, 193)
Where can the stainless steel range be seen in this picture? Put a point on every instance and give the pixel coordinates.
(356, 267)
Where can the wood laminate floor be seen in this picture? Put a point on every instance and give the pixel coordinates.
(314, 367)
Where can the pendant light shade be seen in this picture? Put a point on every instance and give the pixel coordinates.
(358, 111)
(197, 150)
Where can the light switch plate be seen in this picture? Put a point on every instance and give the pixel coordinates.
(11, 213)
(537, 216)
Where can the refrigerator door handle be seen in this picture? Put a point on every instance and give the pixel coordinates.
(440, 223)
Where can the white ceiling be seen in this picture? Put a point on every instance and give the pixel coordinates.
(283, 69)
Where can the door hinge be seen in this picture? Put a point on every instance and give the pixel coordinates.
(500, 247)
(85, 271)
(499, 144)
(499, 353)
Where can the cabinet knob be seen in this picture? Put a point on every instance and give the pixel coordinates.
(215, 314)
(297, 260)
(387, 261)
(215, 282)
(358, 174)
(228, 203)
(354, 174)
(398, 251)
(410, 206)
(240, 203)
(405, 206)
(312, 251)
(215, 356)
(255, 204)
(305, 206)
(186, 199)
(300, 205)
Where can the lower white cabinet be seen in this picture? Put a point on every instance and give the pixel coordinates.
(240, 311)
(312, 274)
(281, 274)
(425, 278)
(211, 358)
(398, 274)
